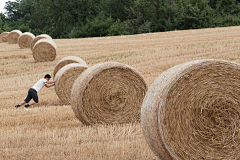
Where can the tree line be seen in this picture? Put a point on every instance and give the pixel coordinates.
(94, 18)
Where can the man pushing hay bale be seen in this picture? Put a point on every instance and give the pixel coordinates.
(32, 92)
(108, 93)
(24, 41)
(66, 77)
(41, 36)
(13, 36)
(192, 112)
(44, 50)
(3, 37)
(67, 60)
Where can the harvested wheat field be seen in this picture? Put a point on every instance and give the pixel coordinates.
(50, 129)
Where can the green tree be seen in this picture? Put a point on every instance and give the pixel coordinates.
(89, 18)
(1, 23)
(24, 28)
(68, 14)
(116, 9)
(6, 28)
(225, 7)
(193, 15)
(13, 13)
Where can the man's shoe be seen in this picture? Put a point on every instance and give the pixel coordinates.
(17, 106)
(26, 106)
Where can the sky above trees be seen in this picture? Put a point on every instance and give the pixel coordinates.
(2, 4)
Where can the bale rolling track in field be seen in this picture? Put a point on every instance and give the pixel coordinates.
(44, 50)
(191, 112)
(66, 77)
(108, 93)
(65, 61)
(41, 36)
(24, 41)
(13, 36)
(3, 37)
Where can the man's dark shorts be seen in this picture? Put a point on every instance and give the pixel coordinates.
(32, 94)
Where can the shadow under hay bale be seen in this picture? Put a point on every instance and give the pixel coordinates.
(44, 50)
(24, 41)
(191, 112)
(108, 93)
(41, 36)
(66, 77)
(3, 37)
(13, 36)
(65, 61)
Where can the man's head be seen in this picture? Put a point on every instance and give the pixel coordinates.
(47, 77)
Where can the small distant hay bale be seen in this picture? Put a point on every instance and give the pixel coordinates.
(66, 77)
(25, 40)
(13, 36)
(192, 111)
(108, 93)
(41, 36)
(44, 50)
(65, 61)
(3, 37)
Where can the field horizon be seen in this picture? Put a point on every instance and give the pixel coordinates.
(50, 130)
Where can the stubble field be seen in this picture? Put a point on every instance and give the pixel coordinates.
(50, 130)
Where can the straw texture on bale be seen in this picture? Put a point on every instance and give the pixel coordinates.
(44, 50)
(3, 37)
(24, 41)
(41, 36)
(66, 77)
(13, 36)
(65, 61)
(192, 112)
(108, 93)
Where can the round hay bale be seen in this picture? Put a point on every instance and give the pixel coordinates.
(66, 77)
(44, 50)
(3, 37)
(192, 111)
(65, 61)
(108, 93)
(41, 36)
(13, 36)
(24, 41)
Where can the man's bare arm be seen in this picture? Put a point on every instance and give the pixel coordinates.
(49, 85)
(50, 82)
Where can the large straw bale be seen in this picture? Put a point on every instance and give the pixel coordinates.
(108, 93)
(24, 41)
(192, 112)
(13, 36)
(41, 36)
(3, 37)
(65, 61)
(44, 50)
(66, 77)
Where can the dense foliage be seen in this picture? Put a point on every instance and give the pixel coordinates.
(89, 18)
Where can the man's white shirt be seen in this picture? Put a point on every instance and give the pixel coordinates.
(40, 84)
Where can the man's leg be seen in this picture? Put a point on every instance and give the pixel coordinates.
(32, 103)
(35, 98)
(28, 98)
(22, 103)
